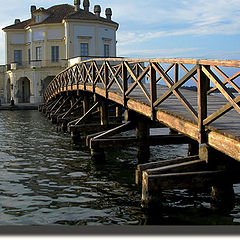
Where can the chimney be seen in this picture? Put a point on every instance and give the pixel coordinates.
(33, 9)
(77, 5)
(97, 10)
(108, 13)
(86, 5)
(17, 21)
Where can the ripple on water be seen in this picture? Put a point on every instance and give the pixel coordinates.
(46, 180)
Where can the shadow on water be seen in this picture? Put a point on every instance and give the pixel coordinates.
(47, 180)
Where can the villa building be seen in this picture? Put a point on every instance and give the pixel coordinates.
(39, 48)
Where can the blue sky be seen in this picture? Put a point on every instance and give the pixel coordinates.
(158, 28)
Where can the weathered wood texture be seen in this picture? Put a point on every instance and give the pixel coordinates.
(154, 88)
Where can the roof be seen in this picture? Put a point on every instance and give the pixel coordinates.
(57, 14)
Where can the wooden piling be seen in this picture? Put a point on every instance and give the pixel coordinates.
(104, 112)
(222, 191)
(193, 148)
(142, 132)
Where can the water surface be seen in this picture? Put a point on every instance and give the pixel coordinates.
(47, 180)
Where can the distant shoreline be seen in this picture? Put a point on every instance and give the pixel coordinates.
(194, 88)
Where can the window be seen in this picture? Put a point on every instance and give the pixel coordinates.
(84, 49)
(38, 53)
(106, 50)
(29, 56)
(18, 56)
(55, 53)
(38, 19)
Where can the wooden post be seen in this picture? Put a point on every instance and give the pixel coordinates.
(85, 104)
(124, 83)
(97, 155)
(222, 193)
(203, 87)
(119, 113)
(84, 77)
(64, 126)
(172, 132)
(153, 90)
(142, 132)
(104, 112)
(193, 148)
(223, 196)
(151, 195)
(93, 78)
(176, 72)
(76, 137)
(106, 78)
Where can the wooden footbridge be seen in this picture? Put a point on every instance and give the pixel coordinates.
(89, 99)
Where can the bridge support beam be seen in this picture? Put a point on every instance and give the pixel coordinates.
(142, 133)
(210, 169)
(119, 113)
(222, 192)
(104, 112)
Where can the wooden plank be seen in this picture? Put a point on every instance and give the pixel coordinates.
(162, 163)
(139, 107)
(223, 63)
(91, 127)
(122, 128)
(181, 125)
(56, 103)
(62, 105)
(82, 118)
(225, 144)
(188, 180)
(189, 166)
(123, 142)
(71, 109)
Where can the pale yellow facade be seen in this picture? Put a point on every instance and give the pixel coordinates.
(39, 48)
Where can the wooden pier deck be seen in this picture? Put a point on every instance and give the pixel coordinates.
(206, 118)
(88, 100)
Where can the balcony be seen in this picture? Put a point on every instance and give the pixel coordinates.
(36, 64)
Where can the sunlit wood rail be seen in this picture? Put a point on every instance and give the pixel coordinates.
(157, 88)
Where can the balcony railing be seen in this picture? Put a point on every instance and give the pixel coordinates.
(34, 64)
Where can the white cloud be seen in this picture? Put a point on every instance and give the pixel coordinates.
(201, 17)
(157, 53)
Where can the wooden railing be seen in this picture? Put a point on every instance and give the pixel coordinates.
(128, 74)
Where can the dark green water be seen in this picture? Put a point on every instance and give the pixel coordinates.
(47, 180)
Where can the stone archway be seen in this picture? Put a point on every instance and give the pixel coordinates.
(23, 93)
(45, 83)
